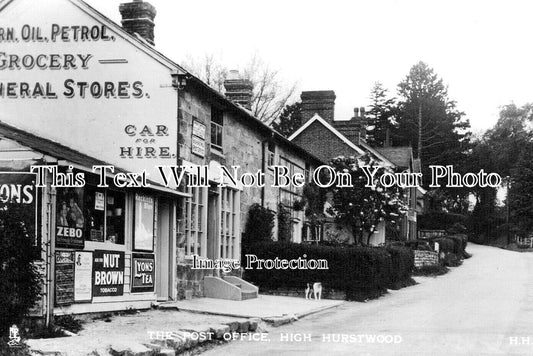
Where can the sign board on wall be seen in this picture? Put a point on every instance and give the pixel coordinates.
(83, 268)
(142, 273)
(64, 277)
(198, 138)
(108, 273)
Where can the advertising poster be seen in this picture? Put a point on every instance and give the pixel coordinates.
(99, 201)
(144, 223)
(83, 268)
(64, 277)
(70, 222)
(108, 273)
(143, 273)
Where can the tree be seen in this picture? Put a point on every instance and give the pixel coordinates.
(20, 282)
(504, 149)
(380, 116)
(521, 192)
(270, 93)
(361, 207)
(290, 119)
(429, 120)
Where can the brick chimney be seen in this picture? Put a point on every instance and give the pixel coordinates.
(321, 102)
(239, 90)
(138, 17)
(355, 128)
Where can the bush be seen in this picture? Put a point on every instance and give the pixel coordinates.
(361, 272)
(19, 279)
(403, 263)
(446, 244)
(259, 225)
(284, 223)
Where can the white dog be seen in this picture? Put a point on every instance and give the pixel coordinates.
(316, 289)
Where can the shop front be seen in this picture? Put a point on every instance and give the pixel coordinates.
(99, 248)
(113, 249)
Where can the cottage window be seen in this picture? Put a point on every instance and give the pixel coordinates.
(217, 125)
(228, 224)
(271, 148)
(311, 232)
(194, 221)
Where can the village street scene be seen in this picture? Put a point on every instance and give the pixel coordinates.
(252, 178)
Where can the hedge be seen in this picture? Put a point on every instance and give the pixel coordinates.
(403, 263)
(438, 220)
(361, 272)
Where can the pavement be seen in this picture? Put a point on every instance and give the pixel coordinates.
(484, 307)
(180, 326)
(266, 307)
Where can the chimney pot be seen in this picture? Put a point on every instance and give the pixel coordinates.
(320, 102)
(138, 17)
(239, 90)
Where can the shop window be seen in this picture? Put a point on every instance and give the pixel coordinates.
(104, 215)
(217, 125)
(228, 224)
(194, 221)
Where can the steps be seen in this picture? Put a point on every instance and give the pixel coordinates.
(230, 288)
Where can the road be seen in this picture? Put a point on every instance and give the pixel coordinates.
(484, 307)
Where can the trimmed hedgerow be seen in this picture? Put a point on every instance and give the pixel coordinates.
(361, 272)
(403, 264)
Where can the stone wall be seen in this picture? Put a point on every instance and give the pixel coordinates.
(426, 258)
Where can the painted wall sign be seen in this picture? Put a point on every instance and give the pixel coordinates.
(70, 222)
(143, 234)
(17, 191)
(83, 268)
(81, 63)
(64, 277)
(108, 273)
(143, 273)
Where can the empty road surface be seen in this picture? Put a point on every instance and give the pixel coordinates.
(484, 307)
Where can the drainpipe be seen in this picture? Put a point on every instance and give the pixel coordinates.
(50, 248)
(179, 81)
(264, 167)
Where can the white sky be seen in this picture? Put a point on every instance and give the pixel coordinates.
(482, 49)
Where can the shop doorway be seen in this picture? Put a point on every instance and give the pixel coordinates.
(212, 223)
(164, 250)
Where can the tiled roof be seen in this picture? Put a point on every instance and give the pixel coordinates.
(61, 152)
(400, 156)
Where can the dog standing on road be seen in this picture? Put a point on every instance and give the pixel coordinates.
(316, 291)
